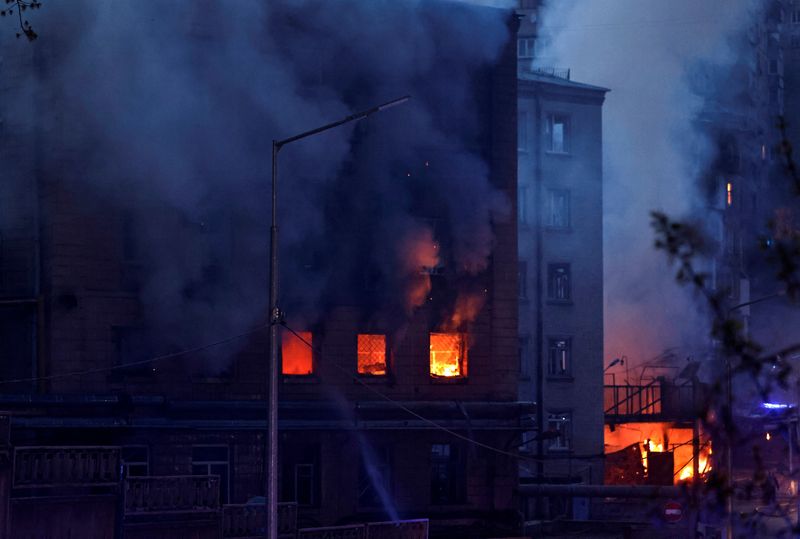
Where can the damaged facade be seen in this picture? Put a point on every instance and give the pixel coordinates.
(367, 412)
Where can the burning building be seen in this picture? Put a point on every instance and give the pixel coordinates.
(131, 272)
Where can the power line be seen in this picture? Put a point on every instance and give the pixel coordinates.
(134, 363)
(415, 414)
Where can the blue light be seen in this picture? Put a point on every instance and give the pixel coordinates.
(775, 406)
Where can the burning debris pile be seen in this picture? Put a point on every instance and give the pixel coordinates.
(653, 453)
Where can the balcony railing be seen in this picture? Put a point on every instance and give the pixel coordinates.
(656, 401)
(171, 494)
(50, 466)
(355, 531)
(396, 529)
(246, 521)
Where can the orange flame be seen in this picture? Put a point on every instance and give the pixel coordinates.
(419, 254)
(448, 355)
(297, 357)
(372, 354)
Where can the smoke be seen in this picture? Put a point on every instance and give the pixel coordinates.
(654, 151)
(170, 109)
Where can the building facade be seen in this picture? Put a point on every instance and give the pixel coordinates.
(375, 423)
(561, 272)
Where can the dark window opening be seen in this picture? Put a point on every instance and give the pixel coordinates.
(136, 460)
(374, 477)
(558, 208)
(213, 460)
(558, 282)
(300, 474)
(448, 474)
(557, 135)
(559, 354)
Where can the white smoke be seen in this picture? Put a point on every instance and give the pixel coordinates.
(652, 149)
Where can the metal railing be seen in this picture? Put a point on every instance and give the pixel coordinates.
(395, 529)
(171, 494)
(658, 400)
(61, 466)
(246, 521)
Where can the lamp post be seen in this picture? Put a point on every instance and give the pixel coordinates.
(275, 315)
(729, 399)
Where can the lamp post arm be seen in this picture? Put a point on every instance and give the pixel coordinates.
(353, 117)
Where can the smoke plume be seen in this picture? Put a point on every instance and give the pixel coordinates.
(170, 110)
(654, 151)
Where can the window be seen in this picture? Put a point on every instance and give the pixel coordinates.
(372, 355)
(522, 131)
(794, 41)
(557, 213)
(213, 460)
(448, 474)
(374, 477)
(559, 426)
(796, 16)
(448, 355)
(557, 133)
(522, 278)
(300, 474)
(559, 356)
(558, 282)
(525, 47)
(136, 460)
(297, 358)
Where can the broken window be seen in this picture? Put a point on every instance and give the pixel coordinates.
(372, 354)
(557, 213)
(447, 474)
(559, 353)
(559, 427)
(558, 282)
(557, 133)
(448, 355)
(297, 358)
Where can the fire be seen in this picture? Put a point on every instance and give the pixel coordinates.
(297, 356)
(419, 255)
(448, 355)
(372, 354)
(660, 438)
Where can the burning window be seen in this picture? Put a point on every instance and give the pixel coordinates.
(448, 355)
(559, 357)
(297, 355)
(372, 354)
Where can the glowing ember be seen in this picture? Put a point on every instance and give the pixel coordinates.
(297, 357)
(372, 354)
(448, 355)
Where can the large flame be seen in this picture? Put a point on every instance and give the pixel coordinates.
(660, 437)
(372, 354)
(297, 357)
(448, 355)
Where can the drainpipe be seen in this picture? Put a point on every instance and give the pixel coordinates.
(539, 292)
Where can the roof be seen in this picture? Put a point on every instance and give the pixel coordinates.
(528, 76)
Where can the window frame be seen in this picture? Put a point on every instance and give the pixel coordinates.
(552, 288)
(564, 442)
(298, 377)
(455, 468)
(128, 463)
(549, 133)
(552, 193)
(551, 372)
(224, 483)
(463, 360)
(386, 357)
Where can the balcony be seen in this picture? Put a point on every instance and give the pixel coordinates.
(171, 494)
(70, 466)
(657, 401)
(247, 521)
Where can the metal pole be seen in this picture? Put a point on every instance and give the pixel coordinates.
(729, 452)
(271, 498)
(275, 315)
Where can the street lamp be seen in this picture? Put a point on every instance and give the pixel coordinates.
(275, 314)
(729, 398)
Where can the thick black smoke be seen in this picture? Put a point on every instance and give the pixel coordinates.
(172, 106)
